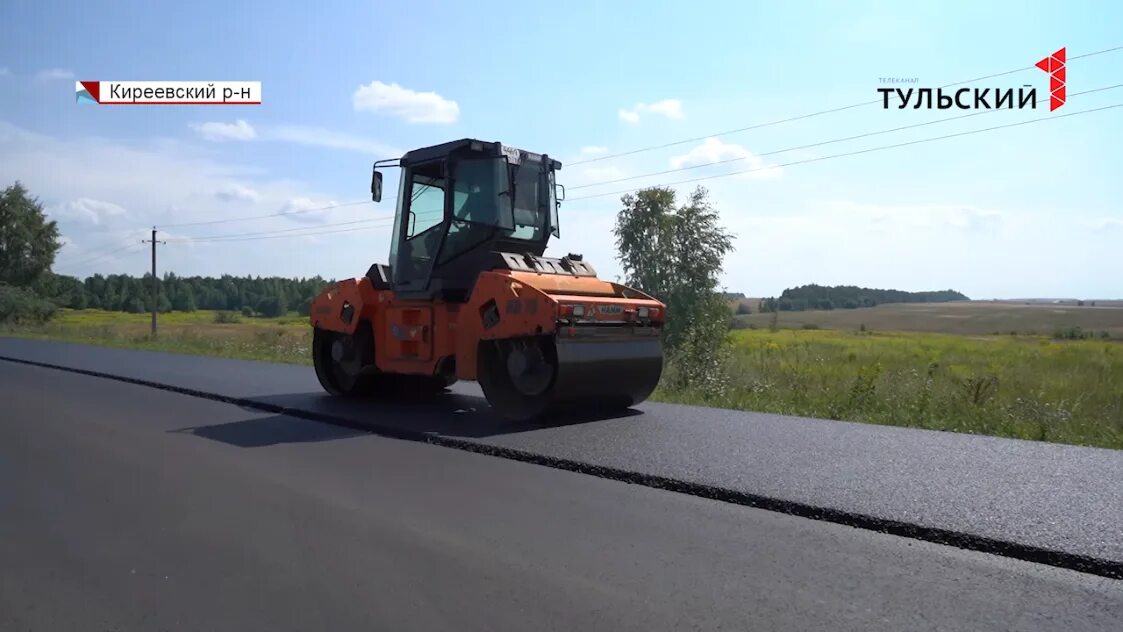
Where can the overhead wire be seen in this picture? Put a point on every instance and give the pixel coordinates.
(266, 216)
(270, 232)
(643, 149)
(821, 143)
(107, 256)
(315, 230)
(334, 228)
(814, 114)
(386, 221)
(858, 152)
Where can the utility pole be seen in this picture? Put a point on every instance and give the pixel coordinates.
(155, 286)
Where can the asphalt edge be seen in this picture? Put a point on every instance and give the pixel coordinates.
(1070, 561)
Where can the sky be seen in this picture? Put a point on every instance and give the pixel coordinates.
(1033, 210)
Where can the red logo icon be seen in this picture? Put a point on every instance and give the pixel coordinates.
(1055, 65)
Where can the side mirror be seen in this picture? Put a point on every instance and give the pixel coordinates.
(376, 186)
(559, 192)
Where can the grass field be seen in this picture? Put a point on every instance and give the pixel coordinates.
(284, 339)
(966, 318)
(1029, 387)
(1023, 387)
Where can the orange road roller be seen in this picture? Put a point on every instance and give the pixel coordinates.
(468, 295)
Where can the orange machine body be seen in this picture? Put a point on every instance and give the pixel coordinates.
(421, 337)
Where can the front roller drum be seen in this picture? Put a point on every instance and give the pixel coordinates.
(345, 366)
(524, 378)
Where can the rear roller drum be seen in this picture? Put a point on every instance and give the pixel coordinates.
(345, 366)
(342, 361)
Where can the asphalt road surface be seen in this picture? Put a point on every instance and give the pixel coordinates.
(1051, 497)
(125, 507)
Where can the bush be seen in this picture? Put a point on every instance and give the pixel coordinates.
(304, 308)
(700, 359)
(225, 317)
(20, 306)
(743, 308)
(810, 326)
(1071, 333)
(271, 307)
(247, 311)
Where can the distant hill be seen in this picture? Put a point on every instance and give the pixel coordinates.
(823, 297)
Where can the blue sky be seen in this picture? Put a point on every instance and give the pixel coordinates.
(1035, 210)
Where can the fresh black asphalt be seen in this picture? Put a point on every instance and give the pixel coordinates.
(1039, 501)
(125, 507)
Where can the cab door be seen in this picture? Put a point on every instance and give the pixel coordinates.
(419, 226)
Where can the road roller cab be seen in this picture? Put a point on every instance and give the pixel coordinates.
(469, 295)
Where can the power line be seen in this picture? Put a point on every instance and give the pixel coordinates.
(861, 151)
(649, 148)
(820, 144)
(312, 234)
(383, 222)
(814, 114)
(380, 223)
(97, 258)
(271, 232)
(280, 214)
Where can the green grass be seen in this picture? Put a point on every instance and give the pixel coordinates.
(1028, 387)
(98, 317)
(282, 339)
(1020, 387)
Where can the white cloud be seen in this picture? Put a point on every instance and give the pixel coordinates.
(738, 158)
(300, 134)
(593, 150)
(409, 105)
(669, 108)
(215, 131)
(307, 210)
(237, 192)
(1109, 223)
(168, 182)
(86, 210)
(54, 74)
(327, 138)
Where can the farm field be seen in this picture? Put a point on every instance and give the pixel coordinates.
(964, 318)
(1028, 387)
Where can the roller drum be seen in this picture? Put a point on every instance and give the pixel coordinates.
(587, 372)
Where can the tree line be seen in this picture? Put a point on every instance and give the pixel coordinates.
(264, 296)
(821, 297)
(30, 292)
